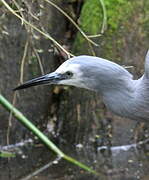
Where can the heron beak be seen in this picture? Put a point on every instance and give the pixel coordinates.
(52, 78)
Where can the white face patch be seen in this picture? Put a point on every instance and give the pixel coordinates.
(76, 79)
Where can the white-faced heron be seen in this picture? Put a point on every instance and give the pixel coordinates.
(121, 94)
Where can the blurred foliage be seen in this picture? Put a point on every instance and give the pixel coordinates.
(146, 18)
(123, 19)
(91, 17)
(118, 11)
(121, 14)
(90, 22)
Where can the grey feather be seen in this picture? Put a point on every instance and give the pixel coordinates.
(121, 94)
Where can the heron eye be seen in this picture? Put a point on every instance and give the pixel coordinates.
(69, 74)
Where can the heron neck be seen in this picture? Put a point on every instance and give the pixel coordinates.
(120, 98)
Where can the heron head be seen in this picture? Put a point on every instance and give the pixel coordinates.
(82, 71)
(68, 73)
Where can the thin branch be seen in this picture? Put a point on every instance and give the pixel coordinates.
(41, 169)
(10, 118)
(23, 61)
(95, 36)
(26, 46)
(12, 147)
(18, 6)
(15, 93)
(35, 28)
(127, 147)
(91, 49)
(104, 23)
(39, 61)
(72, 21)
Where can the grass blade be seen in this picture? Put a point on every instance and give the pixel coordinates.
(41, 136)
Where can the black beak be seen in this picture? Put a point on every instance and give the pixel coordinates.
(52, 78)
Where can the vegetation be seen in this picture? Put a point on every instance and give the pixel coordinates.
(38, 36)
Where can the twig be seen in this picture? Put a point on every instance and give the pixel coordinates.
(10, 118)
(91, 49)
(35, 28)
(104, 22)
(18, 6)
(126, 147)
(72, 21)
(12, 147)
(128, 67)
(23, 62)
(15, 93)
(41, 169)
(21, 76)
(94, 36)
(26, 46)
(39, 61)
